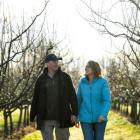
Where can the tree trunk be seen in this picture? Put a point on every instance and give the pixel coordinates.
(6, 130)
(11, 122)
(133, 114)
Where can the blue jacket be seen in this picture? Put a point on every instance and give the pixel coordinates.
(94, 99)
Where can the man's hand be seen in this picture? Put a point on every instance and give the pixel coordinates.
(33, 124)
(101, 119)
(74, 121)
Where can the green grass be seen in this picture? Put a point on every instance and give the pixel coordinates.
(1, 119)
(15, 117)
(118, 128)
(123, 107)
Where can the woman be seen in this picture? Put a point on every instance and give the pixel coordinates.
(94, 101)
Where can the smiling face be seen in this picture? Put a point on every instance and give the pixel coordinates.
(88, 70)
(53, 65)
(93, 69)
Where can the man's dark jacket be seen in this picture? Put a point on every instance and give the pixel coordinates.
(67, 98)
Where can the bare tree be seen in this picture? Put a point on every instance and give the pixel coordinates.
(124, 69)
(22, 56)
(125, 28)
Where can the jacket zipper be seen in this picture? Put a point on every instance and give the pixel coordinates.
(91, 101)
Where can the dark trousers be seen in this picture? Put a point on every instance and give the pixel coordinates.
(93, 131)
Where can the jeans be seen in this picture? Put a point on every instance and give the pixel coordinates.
(93, 131)
(47, 131)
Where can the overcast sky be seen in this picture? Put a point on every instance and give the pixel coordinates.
(83, 40)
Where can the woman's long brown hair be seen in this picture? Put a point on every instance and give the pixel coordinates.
(95, 68)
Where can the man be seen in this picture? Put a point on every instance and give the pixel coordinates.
(54, 103)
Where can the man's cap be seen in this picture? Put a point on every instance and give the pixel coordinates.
(52, 57)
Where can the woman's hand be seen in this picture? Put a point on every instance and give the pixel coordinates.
(101, 119)
(77, 124)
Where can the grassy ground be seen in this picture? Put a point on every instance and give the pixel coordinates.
(118, 128)
(15, 117)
